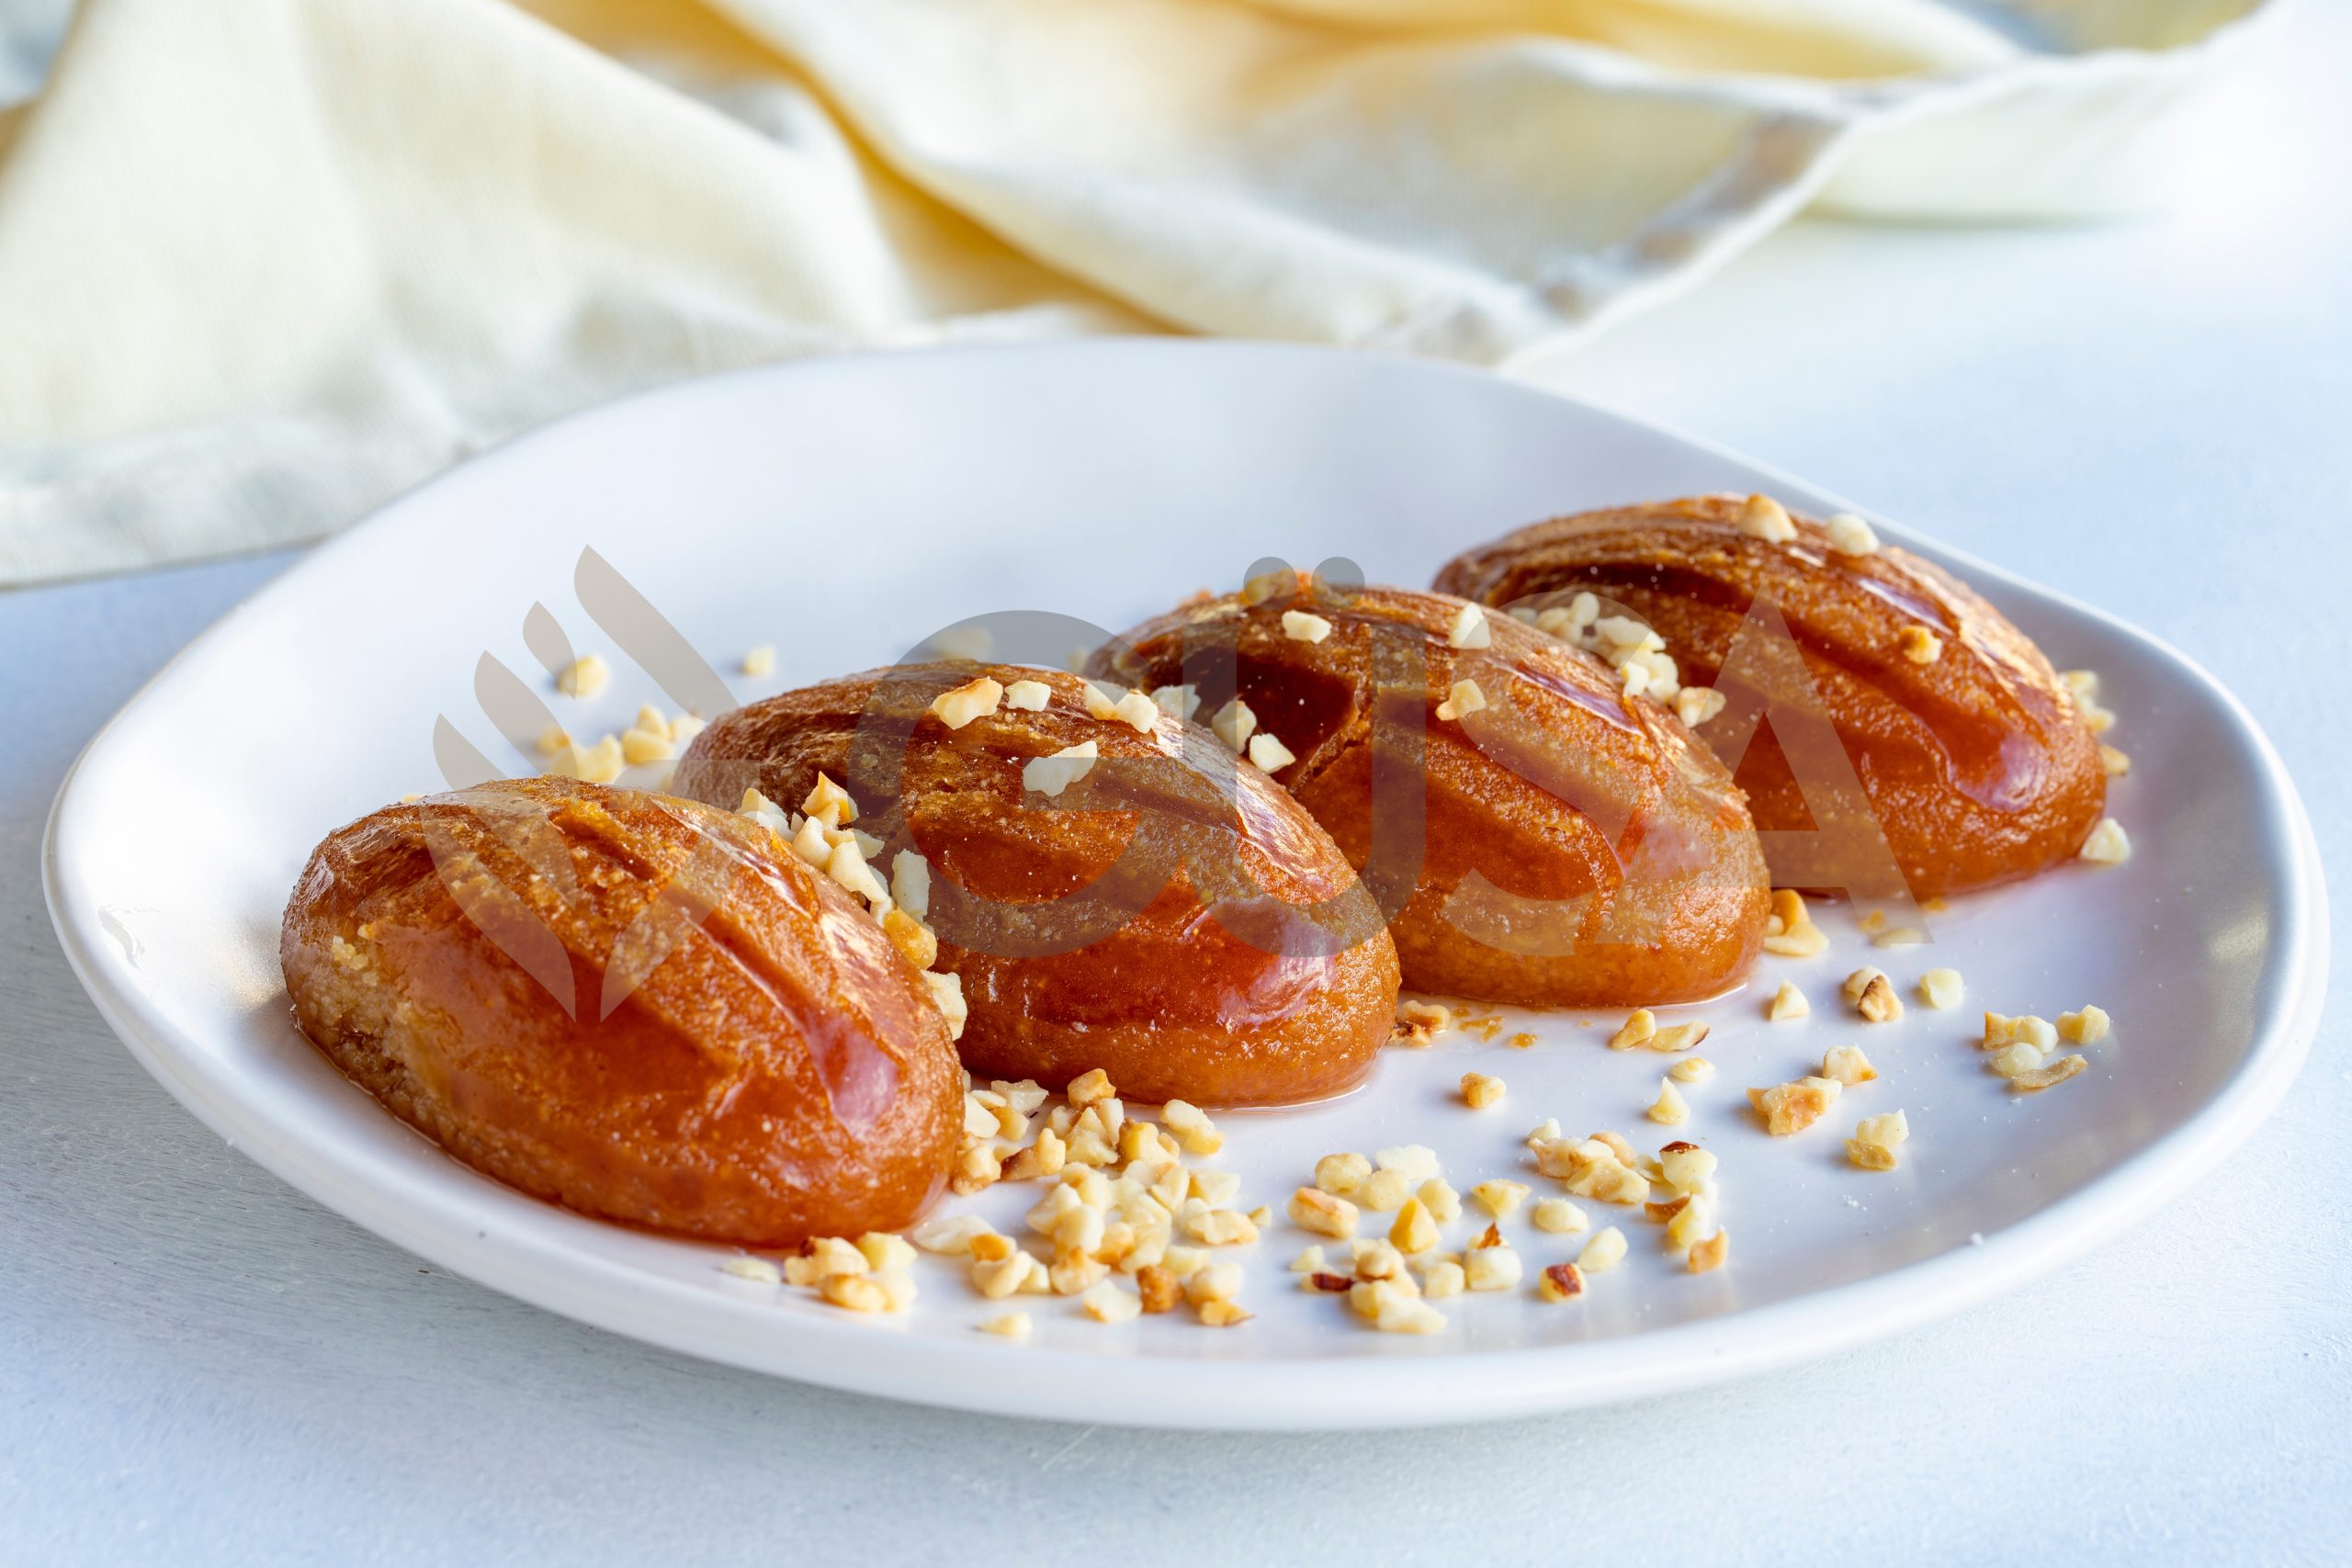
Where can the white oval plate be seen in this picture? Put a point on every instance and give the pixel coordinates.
(842, 509)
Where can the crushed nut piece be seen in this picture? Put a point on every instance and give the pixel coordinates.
(1052, 775)
(857, 1293)
(1768, 520)
(2108, 844)
(1560, 1282)
(2025, 1029)
(1850, 535)
(1710, 1253)
(1269, 755)
(2057, 1072)
(1106, 1302)
(2021, 1057)
(1676, 1037)
(1498, 1197)
(1791, 1108)
(1385, 1191)
(757, 1270)
(1007, 1325)
(760, 661)
(1414, 1231)
(1470, 628)
(1491, 1269)
(1027, 696)
(1919, 645)
(1300, 626)
(1873, 995)
(1604, 1251)
(1480, 1092)
(1177, 702)
(2087, 1027)
(1638, 1028)
(585, 677)
(974, 699)
(1233, 723)
(1309, 1261)
(1312, 1209)
(1222, 1313)
(1089, 1087)
(2115, 762)
(1788, 1002)
(1440, 1199)
(1873, 1144)
(1445, 1278)
(1341, 1174)
(1557, 1216)
(1942, 987)
(1465, 698)
(1694, 706)
(1847, 1065)
(1685, 1167)
(1692, 1069)
(1669, 1109)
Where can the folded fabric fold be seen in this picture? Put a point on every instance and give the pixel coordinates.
(265, 262)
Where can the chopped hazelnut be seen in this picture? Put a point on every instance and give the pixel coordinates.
(1685, 1167)
(1212, 1283)
(1341, 1174)
(1694, 706)
(1007, 1325)
(1873, 1144)
(585, 677)
(1432, 1018)
(757, 1270)
(1941, 987)
(1385, 1191)
(947, 996)
(2057, 1072)
(1919, 645)
(1469, 628)
(1636, 1031)
(1137, 712)
(1100, 703)
(1693, 1221)
(1560, 1282)
(2025, 1029)
(1793, 1107)
(1233, 723)
(915, 941)
(1269, 755)
(1710, 1253)
(1414, 1161)
(974, 699)
(1692, 1069)
(2021, 1057)
(1557, 1216)
(1310, 1261)
(1604, 1251)
(760, 661)
(1106, 1302)
(1027, 696)
(1445, 1278)
(1090, 1087)
(1491, 1269)
(2084, 1027)
(1768, 520)
(1414, 1231)
(1873, 995)
(1312, 1209)
(1158, 1290)
(1177, 702)
(2115, 762)
(857, 1293)
(1479, 1092)
(1850, 535)
(1221, 1313)
(1669, 1109)
(1300, 626)
(2108, 844)
(1498, 1197)
(1788, 1002)
(1847, 1065)
(1052, 775)
(1464, 697)
(1677, 1037)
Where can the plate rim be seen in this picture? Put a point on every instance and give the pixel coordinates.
(1435, 1385)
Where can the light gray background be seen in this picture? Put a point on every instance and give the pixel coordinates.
(198, 1364)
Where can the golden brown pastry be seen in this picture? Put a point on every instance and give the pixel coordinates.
(1580, 850)
(637, 1006)
(1970, 749)
(1144, 911)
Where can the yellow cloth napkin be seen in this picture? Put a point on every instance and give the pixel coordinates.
(264, 263)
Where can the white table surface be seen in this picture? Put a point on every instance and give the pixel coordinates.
(200, 1365)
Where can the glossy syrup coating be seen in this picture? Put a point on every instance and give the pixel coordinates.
(1580, 849)
(745, 1057)
(1977, 763)
(1214, 995)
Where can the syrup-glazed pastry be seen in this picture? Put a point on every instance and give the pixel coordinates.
(1973, 754)
(1537, 836)
(635, 1006)
(1112, 886)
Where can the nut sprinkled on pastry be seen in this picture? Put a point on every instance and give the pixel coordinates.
(2116, 762)
(1052, 775)
(1233, 723)
(1464, 698)
(1919, 645)
(1027, 696)
(1850, 535)
(1694, 706)
(1768, 520)
(1270, 755)
(1469, 630)
(1300, 626)
(974, 699)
